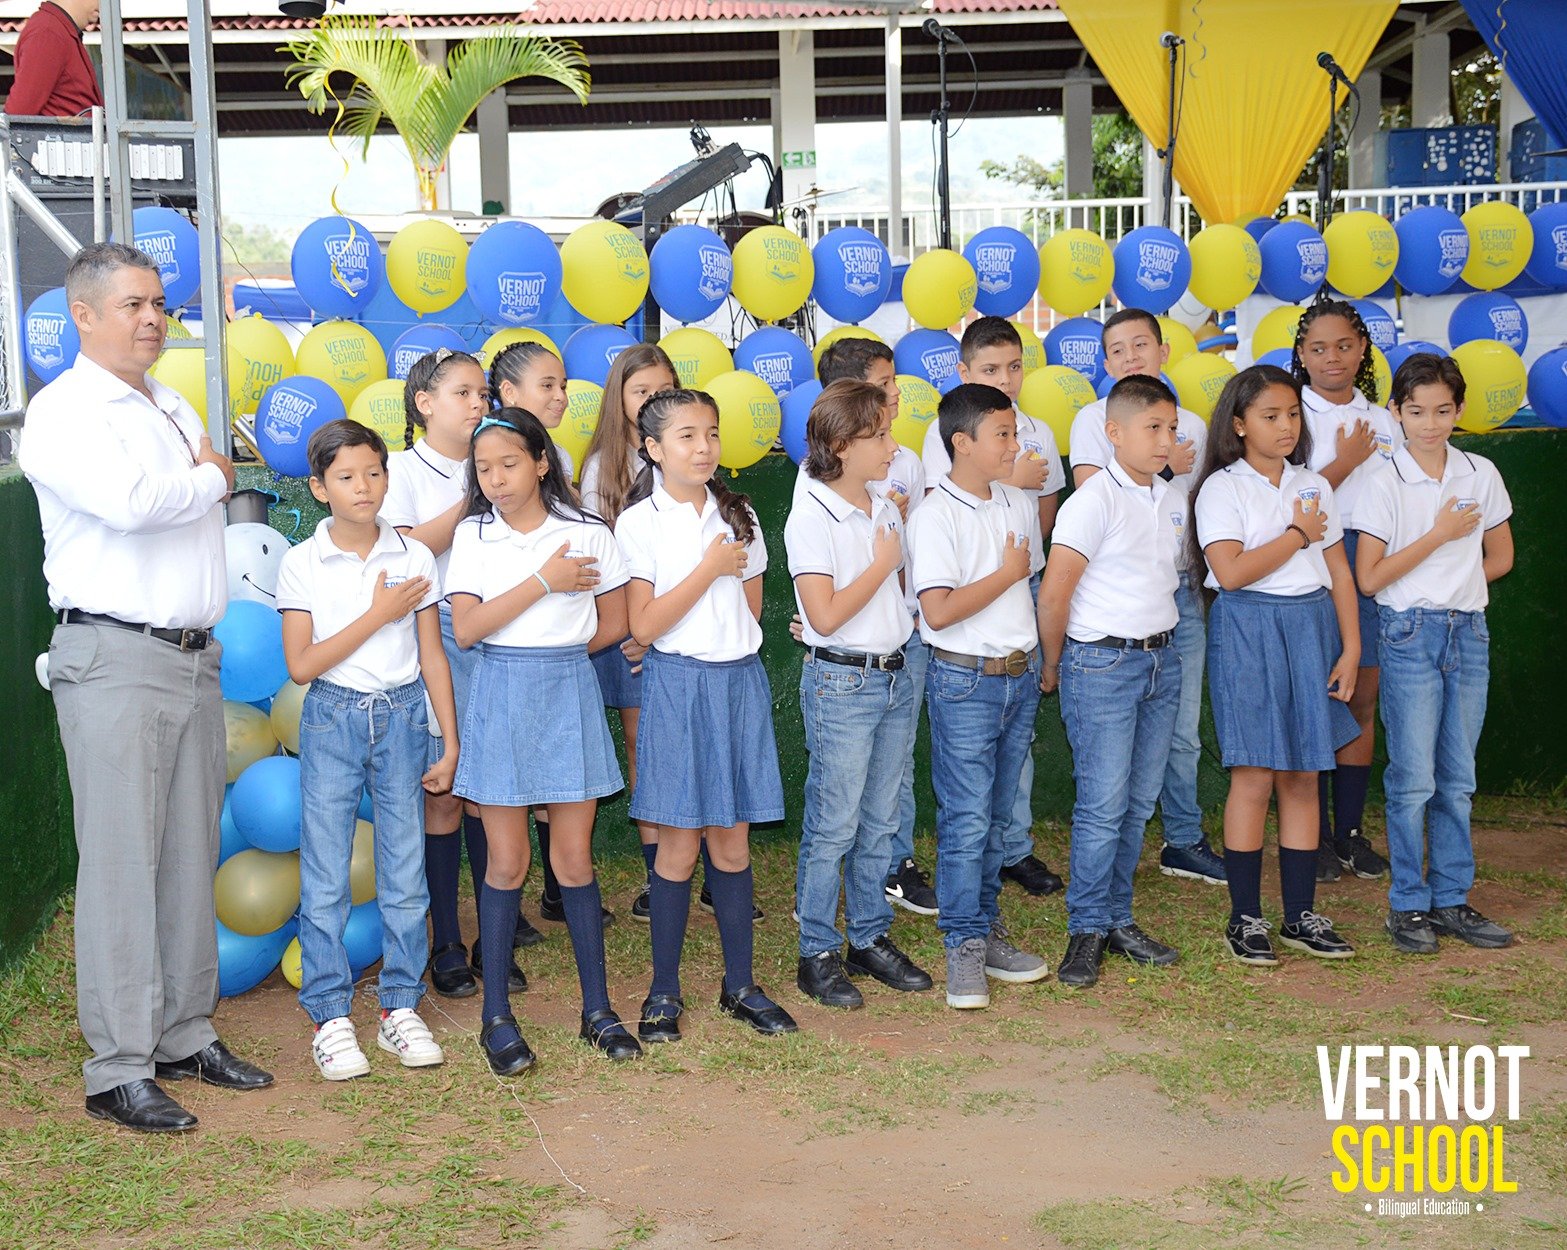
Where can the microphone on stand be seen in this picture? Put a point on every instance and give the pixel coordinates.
(1334, 71)
(938, 32)
(1171, 40)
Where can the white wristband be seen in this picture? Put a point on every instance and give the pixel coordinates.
(544, 583)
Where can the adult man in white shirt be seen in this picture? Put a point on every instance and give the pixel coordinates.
(129, 494)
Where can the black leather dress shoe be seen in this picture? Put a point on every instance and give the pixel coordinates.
(884, 961)
(142, 1106)
(1137, 946)
(455, 980)
(660, 1020)
(603, 1031)
(527, 934)
(757, 1010)
(821, 977)
(1031, 873)
(554, 910)
(510, 1058)
(516, 983)
(1084, 952)
(215, 1064)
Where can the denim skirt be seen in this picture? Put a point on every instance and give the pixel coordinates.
(1269, 657)
(618, 684)
(461, 663)
(1370, 622)
(535, 731)
(706, 755)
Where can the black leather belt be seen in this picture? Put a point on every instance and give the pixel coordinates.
(184, 639)
(1151, 643)
(1013, 664)
(889, 663)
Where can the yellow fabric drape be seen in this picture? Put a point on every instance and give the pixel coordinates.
(1256, 101)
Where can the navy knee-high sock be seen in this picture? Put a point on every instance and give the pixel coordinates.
(1325, 806)
(1297, 882)
(1244, 872)
(584, 909)
(478, 845)
(1350, 783)
(649, 854)
(733, 898)
(551, 882)
(497, 927)
(669, 908)
(442, 866)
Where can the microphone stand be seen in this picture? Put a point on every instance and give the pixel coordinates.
(1168, 153)
(1325, 159)
(941, 118)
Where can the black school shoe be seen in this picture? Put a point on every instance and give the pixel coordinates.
(1084, 953)
(553, 910)
(455, 981)
(140, 1105)
(705, 902)
(511, 1058)
(215, 1064)
(1248, 942)
(1134, 944)
(516, 982)
(1467, 925)
(1314, 934)
(1411, 932)
(660, 1020)
(757, 1010)
(1031, 873)
(526, 934)
(1358, 857)
(884, 961)
(821, 977)
(605, 1033)
(642, 906)
(1328, 867)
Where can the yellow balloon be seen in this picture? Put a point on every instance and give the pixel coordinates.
(267, 358)
(1076, 268)
(841, 332)
(502, 339)
(604, 271)
(1495, 380)
(361, 864)
(250, 738)
(773, 273)
(184, 370)
(939, 288)
(1033, 347)
(698, 355)
(1500, 240)
(255, 892)
(1362, 250)
(1383, 373)
(292, 966)
(344, 355)
(1226, 264)
(1179, 338)
(286, 706)
(1304, 219)
(427, 265)
(1198, 380)
(1276, 329)
(380, 406)
(575, 431)
(917, 404)
(1053, 394)
(748, 415)
(176, 329)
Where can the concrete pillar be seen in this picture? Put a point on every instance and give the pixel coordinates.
(1430, 98)
(1364, 168)
(895, 240)
(794, 116)
(1514, 109)
(494, 153)
(1077, 116)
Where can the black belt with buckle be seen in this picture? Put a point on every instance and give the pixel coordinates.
(1151, 643)
(1013, 664)
(184, 639)
(892, 662)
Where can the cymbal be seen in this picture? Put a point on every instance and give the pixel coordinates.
(816, 193)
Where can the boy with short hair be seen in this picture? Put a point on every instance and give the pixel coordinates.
(1134, 346)
(1107, 618)
(991, 354)
(971, 545)
(360, 628)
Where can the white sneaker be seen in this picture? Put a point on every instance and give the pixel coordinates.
(336, 1050)
(404, 1034)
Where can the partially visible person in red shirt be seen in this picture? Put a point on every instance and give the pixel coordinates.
(54, 74)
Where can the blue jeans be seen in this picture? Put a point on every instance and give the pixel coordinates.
(1018, 840)
(1436, 667)
(1119, 707)
(916, 658)
(349, 741)
(856, 726)
(1178, 800)
(980, 730)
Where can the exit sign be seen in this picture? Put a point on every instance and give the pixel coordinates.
(800, 160)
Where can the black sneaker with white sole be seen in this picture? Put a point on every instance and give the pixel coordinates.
(907, 888)
(1328, 867)
(1314, 934)
(1359, 857)
(642, 906)
(1248, 942)
(1411, 932)
(705, 902)
(1197, 862)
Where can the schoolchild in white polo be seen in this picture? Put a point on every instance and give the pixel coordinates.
(1107, 618)
(1434, 535)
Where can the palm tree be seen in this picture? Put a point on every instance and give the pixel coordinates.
(428, 105)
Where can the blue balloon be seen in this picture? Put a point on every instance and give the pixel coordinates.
(289, 413)
(1104, 385)
(1279, 357)
(362, 936)
(50, 335)
(1433, 247)
(513, 273)
(337, 266)
(692, 271)
(796, 412)
(928, 354)
(778, 357)
(853, 273)
(252, 663)
(1259, 226)
(1294, 261)
(171, 241)
(421, 340)
(1400, 352)
(592, 350)
(1489, 315)
(1006, 265)
(231, 840)
(1547, 262)
(1152, 269)
(266, 803)
(1077, 344)
(1548, 387)
(1379, 323)
(245, 962)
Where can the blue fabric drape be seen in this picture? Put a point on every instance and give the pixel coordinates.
(1529, 37)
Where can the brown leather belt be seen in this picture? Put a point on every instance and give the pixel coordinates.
(1014, 664)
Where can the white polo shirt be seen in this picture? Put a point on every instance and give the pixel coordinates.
(1239, 503)
(1130, 535)
(827, 534)
(420, 485)
(1091, 446)
(489, 558)
(957, 538)
(131, 524)
(335, 587)
(1325, 419)
(905, 477)
(1400, 506)
(592, 500)
(663, 540)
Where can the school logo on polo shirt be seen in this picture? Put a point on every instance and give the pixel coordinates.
(1313, 254)
(718, 271)
(349, 253)
(993, 266)
(1178, 524)
(159, 245)
(861, 267)
(1310, 496)
(1156, 262)
(1455, 252)
(1385, 446)
(522, 296)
